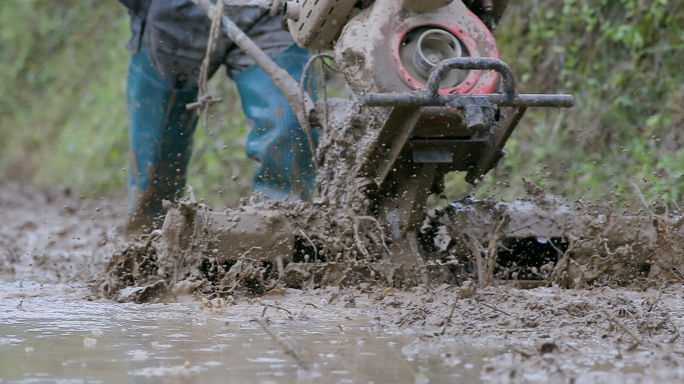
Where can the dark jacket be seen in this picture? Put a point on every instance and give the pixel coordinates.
(138, 11)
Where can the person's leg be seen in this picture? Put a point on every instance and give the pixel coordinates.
(160, 134)
(162, 79)
(276, 139)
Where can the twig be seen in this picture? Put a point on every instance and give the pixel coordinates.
(422, 306)
(334, 296)
(448, 319)
(491, 251)
(273, 306)
(571, 347)
(523, 227)
(511, 330)
(345, 347)
(556, 248)
(637, 338)
(357, 237)
(476, 250)
(655, 303)
(494, 308)
(556, 275)
(285, 83)
(641, 197)
(312, 244)
(676, 336)
(244, 255)
(377, 223)
(286, 346)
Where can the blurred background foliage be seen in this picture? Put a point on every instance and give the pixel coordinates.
(622, 59)
(63, 120)
(62, 104)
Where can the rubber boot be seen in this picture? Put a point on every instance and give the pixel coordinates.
(160, 134)
(275, 139)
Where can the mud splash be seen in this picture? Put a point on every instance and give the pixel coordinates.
(535, 241)
(358, 231)
(54, 237)
(602, 332)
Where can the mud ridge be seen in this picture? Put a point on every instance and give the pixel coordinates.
(535, 241)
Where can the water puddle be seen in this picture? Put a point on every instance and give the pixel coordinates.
(58, 340)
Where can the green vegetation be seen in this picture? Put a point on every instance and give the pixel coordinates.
(63, 121)
(622, 59)
(62, 104)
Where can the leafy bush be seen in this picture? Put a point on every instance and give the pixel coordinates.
(622, 59)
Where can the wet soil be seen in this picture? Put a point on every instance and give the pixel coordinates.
(56, 339)
(53, 246)
(50, 236)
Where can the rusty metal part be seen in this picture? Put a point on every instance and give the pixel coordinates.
(403, 210)
(423, 48)
(389, 143)
(368, 50)
(476, 114)
(481, 63)
(469, 132)
(440, 122)
(420, 99)
(431, 97)
(493, 151)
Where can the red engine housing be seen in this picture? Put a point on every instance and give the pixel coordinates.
(368, 50)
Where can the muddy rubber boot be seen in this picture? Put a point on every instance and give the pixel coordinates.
(275, 139)
(160, 135)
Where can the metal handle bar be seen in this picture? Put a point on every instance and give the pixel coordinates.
(431, 97)
(420, 99)
(482, 63)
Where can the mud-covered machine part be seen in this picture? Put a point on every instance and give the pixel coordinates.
(433, 68)
(436, 68)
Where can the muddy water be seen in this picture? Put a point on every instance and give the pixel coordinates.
(52, 246)
(61, 340)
